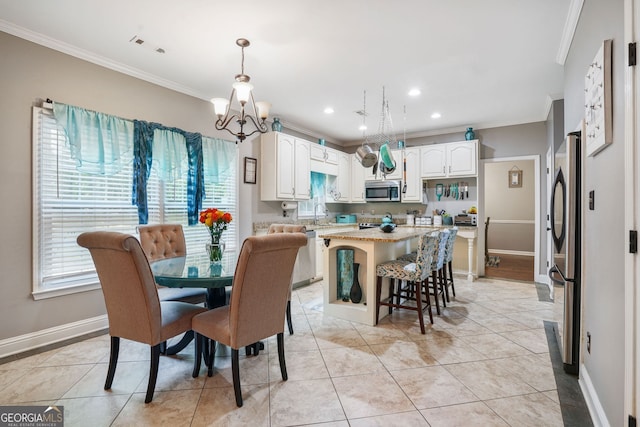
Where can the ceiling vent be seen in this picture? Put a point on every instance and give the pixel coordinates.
(137, 40)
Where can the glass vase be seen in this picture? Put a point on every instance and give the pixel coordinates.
(276, 126)
(469, 135)
(215, 249)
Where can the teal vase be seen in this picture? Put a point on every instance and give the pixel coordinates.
(276, 126)
(469, 134)
(345, 273)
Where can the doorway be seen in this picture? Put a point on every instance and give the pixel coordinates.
(511, 218)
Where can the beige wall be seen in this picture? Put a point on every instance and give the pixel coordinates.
(30, 73)
(511, 209)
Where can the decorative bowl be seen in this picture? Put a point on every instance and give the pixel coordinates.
(388, 227)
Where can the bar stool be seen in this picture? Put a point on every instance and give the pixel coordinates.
(415, 274)
(448, 263)
(436, 268)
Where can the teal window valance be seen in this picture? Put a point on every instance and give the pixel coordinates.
(101, 144)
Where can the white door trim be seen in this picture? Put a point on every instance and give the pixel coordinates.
(542, 278)
(631, 218)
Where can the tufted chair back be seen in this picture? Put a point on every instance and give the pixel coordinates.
(286, 228)
(161, 241)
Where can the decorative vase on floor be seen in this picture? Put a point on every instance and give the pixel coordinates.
(276, 126)
(469, 135)
(356, 290)
(344, 261)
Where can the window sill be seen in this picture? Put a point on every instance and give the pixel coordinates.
(62, 291)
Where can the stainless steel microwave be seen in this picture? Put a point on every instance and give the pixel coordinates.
(382, 191)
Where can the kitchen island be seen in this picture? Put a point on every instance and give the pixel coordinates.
(371, 247)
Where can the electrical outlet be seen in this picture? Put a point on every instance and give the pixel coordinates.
(589, 342)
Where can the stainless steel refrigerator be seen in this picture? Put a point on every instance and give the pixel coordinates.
(565, 221)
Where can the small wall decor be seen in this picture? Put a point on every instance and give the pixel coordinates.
(250, 169)
(515, 177)
(597, 101)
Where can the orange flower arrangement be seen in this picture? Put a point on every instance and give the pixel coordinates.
(216, 221)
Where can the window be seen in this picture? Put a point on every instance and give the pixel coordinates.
(317, 201)
(67, 202)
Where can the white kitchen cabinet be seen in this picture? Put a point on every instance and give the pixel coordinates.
(449, 160)
(284, 167)
(343, 180)
(324, 159)
(357, 180)
(396, 174)
(414, 181)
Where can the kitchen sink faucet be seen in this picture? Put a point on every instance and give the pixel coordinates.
(315, 212)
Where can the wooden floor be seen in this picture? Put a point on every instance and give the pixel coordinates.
(513, 267)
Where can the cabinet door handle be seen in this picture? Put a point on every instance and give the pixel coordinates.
(449, 168)
(444, 169)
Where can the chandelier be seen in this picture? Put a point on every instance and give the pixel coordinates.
(256, 112)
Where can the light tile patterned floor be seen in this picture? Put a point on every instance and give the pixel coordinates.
(484, 362)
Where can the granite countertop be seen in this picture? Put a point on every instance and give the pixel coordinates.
(377, 235)
(402, 232)
(257, 226)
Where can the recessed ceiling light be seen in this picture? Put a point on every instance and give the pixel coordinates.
(414, 92)
(362, 127)
(436, 115)
(328, 110)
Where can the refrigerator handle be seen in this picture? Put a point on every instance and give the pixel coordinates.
(555, 269)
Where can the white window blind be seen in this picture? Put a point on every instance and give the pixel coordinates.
(67, 203)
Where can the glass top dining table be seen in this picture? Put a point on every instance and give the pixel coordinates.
(196, 271)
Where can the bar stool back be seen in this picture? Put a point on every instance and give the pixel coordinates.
(415, 274)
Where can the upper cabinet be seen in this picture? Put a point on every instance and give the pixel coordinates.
(343, 184)
(357, 180)
(413, 182)
(284, 167)
(449, 160)
(324, 159)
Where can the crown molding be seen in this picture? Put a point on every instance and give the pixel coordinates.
(85, 55)
(570, 25)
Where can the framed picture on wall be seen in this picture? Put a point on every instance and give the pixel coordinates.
(250, 169)
(515, 178)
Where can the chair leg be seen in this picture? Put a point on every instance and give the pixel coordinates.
(283, 366)
(153, 372)
(392, 283)
(445, 280)
(113, 361)
(198, 355)
(453, 286)
(442, 285)
(235, 372)
(425, 283)
(289, 322)
(378, 296)
(418, 288)
(210, 351)
(434, 281)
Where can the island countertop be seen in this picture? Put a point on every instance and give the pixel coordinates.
(377, 235)
(401, 232)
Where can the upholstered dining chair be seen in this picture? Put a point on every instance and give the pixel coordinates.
(256, 311)
(287, 228)
(415, 274)
(134, 310)
(160, 241)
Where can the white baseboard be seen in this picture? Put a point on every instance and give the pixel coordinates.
(33, 340)
(542, 278)
(507, 252)
(596, 410)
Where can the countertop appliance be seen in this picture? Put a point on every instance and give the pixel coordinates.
(382, 191)
(565, 212)
(346, 219)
